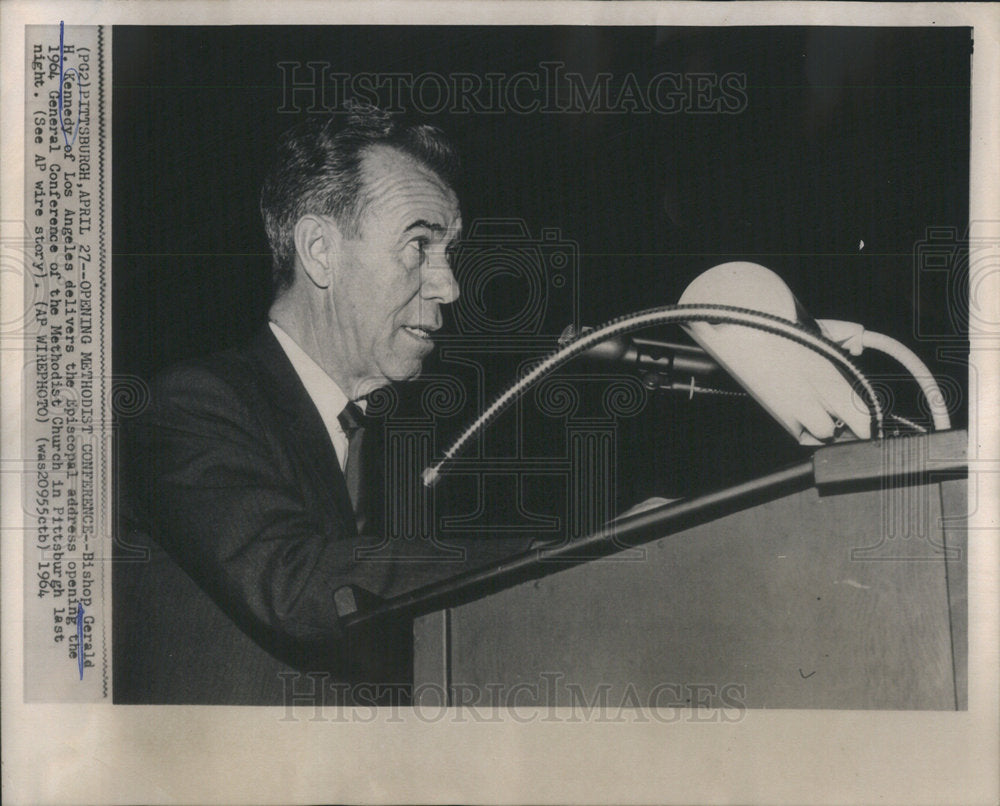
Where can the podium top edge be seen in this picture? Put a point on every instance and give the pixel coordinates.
(942, 452)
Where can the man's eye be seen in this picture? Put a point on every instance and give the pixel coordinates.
(419, 246)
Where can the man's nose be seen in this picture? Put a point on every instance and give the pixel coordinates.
(437, 282)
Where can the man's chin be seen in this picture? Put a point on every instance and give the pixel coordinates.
(407, 370)
(405, 365)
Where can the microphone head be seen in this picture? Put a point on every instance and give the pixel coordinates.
(803, 391)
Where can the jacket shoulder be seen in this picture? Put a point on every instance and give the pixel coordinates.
(226, 378)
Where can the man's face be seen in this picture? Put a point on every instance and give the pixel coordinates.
(395, 275)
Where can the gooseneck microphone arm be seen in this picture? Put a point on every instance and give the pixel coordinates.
(667, 314)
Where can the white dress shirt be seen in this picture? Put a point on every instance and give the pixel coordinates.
(328, 398)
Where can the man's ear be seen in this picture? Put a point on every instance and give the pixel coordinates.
(317, 246)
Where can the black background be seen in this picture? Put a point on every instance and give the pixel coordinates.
(849, 134)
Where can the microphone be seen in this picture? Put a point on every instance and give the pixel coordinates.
(648, 354)
(662, 364)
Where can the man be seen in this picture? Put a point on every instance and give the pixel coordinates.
(240, 527)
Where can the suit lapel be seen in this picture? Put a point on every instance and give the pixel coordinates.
(307, 434)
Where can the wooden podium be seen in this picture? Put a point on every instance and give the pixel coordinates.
(838, 583)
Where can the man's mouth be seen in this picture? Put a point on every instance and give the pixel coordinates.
(418, 332)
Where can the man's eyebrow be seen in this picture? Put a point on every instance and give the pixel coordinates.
(420, 223)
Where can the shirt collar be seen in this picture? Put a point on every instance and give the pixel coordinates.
(326, 395)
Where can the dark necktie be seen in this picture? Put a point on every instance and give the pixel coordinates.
(362, 469)
(352, 420)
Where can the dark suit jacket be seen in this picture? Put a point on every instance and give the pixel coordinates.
(231, 486)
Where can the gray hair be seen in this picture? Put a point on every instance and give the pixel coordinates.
(317, 171)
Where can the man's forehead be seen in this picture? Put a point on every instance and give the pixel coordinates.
(398, 185)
